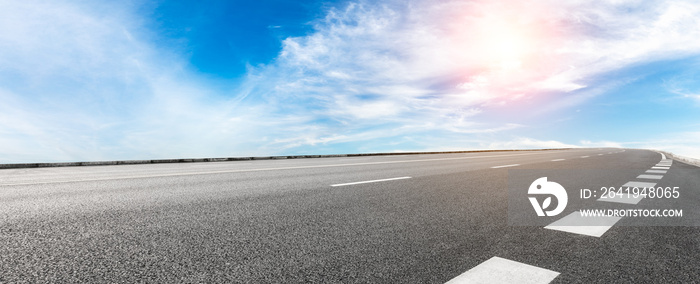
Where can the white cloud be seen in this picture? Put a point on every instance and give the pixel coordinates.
(679, 143)
(530, 143)
(436, 61)
(617, 34)
(686, 84)
(605, 144)
(84, 81)
(80, 81)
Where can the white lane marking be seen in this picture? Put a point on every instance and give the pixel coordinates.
(557, 160)
(600, 154)
(656, 171)
(623, 198)
(650, 176)
(660, 168)
(663, 164)
(639, 184)
(270, 169)
(589, 226)
(369, 181)
(663, 157)
(501, 270)
(584, 157)
(505, 166)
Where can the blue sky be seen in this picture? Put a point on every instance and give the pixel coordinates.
(90, 80)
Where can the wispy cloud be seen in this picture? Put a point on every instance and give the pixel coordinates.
(685, 85)
(82, 81)
(679, 143)
(86, 80)
(448, 64)
(529, 143)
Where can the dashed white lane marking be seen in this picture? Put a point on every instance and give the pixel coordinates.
(656, 171)
(501, 270)
(505, 166)
(600, 154)
(639, 184)
(557, 160)
(623, 198)
(267, 169)
(369, 181)
(660, 168)
(663, 164)
(589, 226)
(584, 157)
(650, 176)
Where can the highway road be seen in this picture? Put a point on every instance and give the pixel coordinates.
(431, 218)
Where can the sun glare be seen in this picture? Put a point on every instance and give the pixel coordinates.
(507, 46)
(504, 44)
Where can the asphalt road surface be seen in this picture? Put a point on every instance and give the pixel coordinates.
(380, 219)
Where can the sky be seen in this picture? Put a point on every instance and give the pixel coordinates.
(123, 80)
